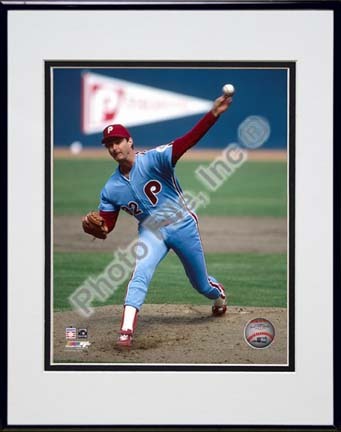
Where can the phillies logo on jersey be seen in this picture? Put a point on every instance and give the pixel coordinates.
(110, 100)
(151, 190)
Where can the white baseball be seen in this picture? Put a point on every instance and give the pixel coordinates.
(228, 90)
(259, 333)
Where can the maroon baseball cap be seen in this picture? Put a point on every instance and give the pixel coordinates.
(115, 131)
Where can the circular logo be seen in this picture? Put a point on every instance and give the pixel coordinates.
(254, 131)
(259, 333)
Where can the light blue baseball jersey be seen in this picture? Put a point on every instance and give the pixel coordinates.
(153, 195)
(152, 189)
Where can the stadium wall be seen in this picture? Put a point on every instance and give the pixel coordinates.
(260, 92)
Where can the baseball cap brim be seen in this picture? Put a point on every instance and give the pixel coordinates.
(110, 138)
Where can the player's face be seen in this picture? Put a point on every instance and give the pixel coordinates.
(120, 149)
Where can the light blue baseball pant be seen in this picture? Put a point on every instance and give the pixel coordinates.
(184, 238)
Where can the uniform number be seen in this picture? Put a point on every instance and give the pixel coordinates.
(152, 189)
(132, 208)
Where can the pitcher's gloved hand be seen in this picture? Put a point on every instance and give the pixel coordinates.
(94, 225)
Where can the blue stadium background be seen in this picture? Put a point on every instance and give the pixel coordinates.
(260, 92)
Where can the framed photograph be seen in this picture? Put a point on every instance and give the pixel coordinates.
(177, 329)
(170, 216)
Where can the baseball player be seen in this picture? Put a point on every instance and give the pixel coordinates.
(145, 186)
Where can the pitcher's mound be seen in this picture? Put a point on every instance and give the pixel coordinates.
(173, 334)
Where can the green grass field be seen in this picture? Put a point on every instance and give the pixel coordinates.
(256, 189)
(251, 279)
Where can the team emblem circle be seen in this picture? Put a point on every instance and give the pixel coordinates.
(259, 333)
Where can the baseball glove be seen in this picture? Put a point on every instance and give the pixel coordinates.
(94, 225)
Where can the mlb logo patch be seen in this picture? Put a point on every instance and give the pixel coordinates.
(77, 345)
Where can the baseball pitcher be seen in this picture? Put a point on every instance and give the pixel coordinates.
(145, 186)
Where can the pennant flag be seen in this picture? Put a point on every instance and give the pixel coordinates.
(109, 100)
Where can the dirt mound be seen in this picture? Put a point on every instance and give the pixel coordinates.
(173, 334)
(219, 234)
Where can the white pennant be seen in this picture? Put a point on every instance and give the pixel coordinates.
(109, 100)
